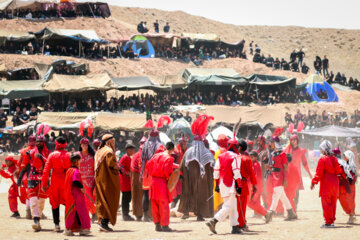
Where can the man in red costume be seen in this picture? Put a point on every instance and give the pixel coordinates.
(23, 196)
(35, 161)
(58, 162)
(179, 154)
(228, 183)
(278, 175)
(347, 186)
(327, 172)
(125, 181)
(136, 185)
(160, 167)
(11, 172)
(255, 199)
(248, 177)
(150, 148)
(297, 157)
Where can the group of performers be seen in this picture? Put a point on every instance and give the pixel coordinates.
(157, 177)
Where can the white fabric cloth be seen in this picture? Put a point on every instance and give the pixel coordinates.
(27, 204)
(226, 191)
(198, 152)
(279, 194)
(351, 164)
(228, 209)
(34, 205)
(326, 146)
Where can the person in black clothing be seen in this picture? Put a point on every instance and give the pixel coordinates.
(188, 118)
(338, 77)
(293, 57)
(351, 82)
(3, 118)
(16, 117)
(343, 80)
(24, 117)
(140, 27)
(325, 65)
(277, 64)
(305, 69)
(257, 58)
(156, 26)
(284, 65)
(166, 28)
(300, 55)
(295, 66)
(269, 61)
(317, 65)
(251, 48)
(330, 79)
(176, 115)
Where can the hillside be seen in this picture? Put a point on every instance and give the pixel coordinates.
(341, 46)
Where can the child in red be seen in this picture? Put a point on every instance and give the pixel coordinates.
(11, 172)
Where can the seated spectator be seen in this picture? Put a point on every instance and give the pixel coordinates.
(305, 69)
(156, 26)
(284, 65)
(257, 58)
(33, 114)
(3, 118)
(343, 80)
(257, 49)
(338, 78)
(293, 56)
(295, 66)
(269, 61)
(277, 64)
(317, 65)
(24, 117)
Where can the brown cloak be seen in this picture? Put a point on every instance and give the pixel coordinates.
(136, 194)
(197, 190)
(107, 185)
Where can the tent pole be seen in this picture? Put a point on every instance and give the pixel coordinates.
(108, 55)
(79, 48)
(43, 49)
(257, 94)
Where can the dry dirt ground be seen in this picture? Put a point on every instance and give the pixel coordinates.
(307, 227)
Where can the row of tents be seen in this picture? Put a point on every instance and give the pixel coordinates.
(42, 5)
(51, 82)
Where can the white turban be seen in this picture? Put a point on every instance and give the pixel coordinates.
(326, 146)
(351, 157)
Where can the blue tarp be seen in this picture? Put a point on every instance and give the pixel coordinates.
(314, 88)
(142, 48)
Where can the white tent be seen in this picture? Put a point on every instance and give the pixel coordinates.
(214, 134)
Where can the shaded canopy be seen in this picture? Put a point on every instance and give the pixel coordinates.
(173, 81)
(213, 76)
(101, 120)
(195, 37)
(134, 83)
(270, 80)
(22, 89)
(11, 35)
(87, 36)
(79, 83)
(332, 131)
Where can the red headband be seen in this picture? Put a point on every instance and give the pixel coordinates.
(60, 145)
(84, 141)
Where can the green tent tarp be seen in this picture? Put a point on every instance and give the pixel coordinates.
(270, 80)
(213, 76)
(134, 83)
(22, 89)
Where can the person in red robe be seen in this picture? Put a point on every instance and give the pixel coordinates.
(277, 168)
(327, 172)
(11, 173)
(136, 184)
(347, 185)
(160, 167)
(125, 181)
(35, 161)
(22, 189)
(298, 157)
(179, 152)
(248, 177)
(255, 199)
(58, 163)
(76, 213)
(87, 173)
(150, 148)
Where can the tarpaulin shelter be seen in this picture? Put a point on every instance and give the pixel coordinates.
(15, 36)
(138, 82)
(180, 128)
(20, 73)
(141, 46)
(22, 89)
(102, 8)
(197, 40)
(18, 129)
(213, 76)
(161, 40)
(173, 81)
(101, 120)
(45, 71)
(214, 134)
(315, 84)
(79, 83)
(332, 131)
(270, 80)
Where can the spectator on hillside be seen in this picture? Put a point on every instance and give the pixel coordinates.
(293, 56)
(166, 28)
(257, 58)
(277, 64)
(305, 69)
(251, 48)
(156, 26)
(269, 61)
(176, 115)
(351, 82)
(16, 117)
(140, 27)
(338, 78)
(285, 65)
(257, 49)
(325, 65)
(295, 66)
(3, 118)
(300, 55)
(330, 78)
(24, 117)
(317, 65)
(33, 114)
(145, 29)
(188, 118)
(343, 80)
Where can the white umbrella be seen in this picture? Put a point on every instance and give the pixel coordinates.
(214, 134)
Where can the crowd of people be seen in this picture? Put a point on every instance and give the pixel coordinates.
(260, 174)
(143, 28)
(313, 119)
(64, 11)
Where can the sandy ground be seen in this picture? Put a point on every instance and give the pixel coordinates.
(307, 227)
